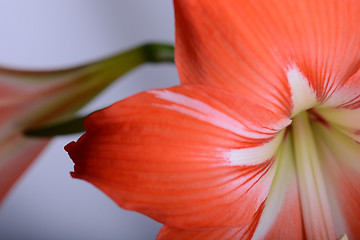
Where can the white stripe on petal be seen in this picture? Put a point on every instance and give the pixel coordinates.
(283, 182)
(345, 96)
(204, 112)
(255, 155)
(303, 96)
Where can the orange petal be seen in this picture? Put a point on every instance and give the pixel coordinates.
(279, 217)
(285, 226)
(347, 95)
(166, 153)
(248, 46)
(243, 232)
(288, 221)
(282, 217)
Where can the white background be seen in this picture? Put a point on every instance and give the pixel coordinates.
(41, 34)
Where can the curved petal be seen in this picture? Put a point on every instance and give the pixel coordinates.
(167, 153)
(282, 216)
(248, 46)
(279, 217)
(342, 170)
(287, 223)
(345, 120)
(243, 232)
(346, 95)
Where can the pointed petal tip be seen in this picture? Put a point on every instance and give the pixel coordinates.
(70, 147)
(74, 174)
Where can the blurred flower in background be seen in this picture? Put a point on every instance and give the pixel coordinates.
(46, 203)
(30, 100)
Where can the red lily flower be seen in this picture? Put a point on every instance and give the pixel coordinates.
(260, 141)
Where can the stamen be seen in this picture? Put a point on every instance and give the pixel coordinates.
(315, 205)
(316, 116)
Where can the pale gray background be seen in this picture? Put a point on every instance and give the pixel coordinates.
(45, 34)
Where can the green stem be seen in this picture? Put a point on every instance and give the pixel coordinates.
(105, 72)
(74, 125)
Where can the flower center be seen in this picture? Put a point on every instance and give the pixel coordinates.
(306, 160)
(311, 155)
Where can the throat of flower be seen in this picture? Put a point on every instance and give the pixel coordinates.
(303, 96)
(313, 197)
